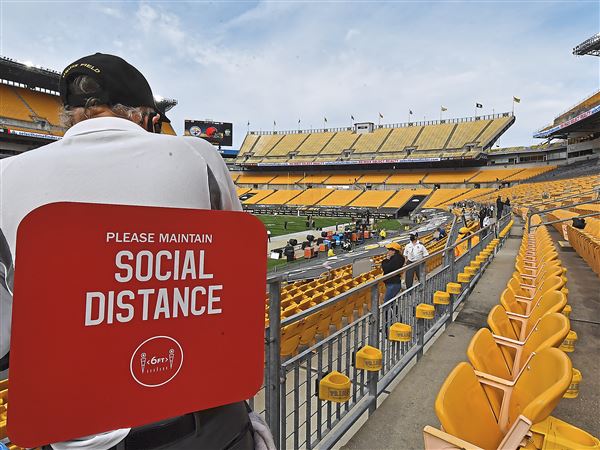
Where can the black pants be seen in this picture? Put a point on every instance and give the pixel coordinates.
(410, 276)
(226, 427)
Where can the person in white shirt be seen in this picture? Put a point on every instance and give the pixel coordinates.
(112, 154)
(413, 252)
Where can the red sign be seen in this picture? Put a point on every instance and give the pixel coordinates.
(127, 315)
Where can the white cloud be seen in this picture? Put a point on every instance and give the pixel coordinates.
(288, 60)
(113, 12)
(351, 33)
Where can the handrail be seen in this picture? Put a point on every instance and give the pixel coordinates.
(531, 227)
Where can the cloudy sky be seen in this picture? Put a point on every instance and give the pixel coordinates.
(305, 60)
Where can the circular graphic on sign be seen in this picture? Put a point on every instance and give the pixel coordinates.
(195, 131)
(156, 361)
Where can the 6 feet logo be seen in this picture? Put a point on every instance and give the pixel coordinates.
(156, 361)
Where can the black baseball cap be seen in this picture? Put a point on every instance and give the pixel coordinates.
(119, 82)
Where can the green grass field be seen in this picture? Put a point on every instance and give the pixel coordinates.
(295, 223)
(389, 224)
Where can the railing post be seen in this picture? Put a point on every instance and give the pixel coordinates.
(452, 270)
(421, 294)
(374, 330)
(273, 363)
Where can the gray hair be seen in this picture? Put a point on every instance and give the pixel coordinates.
(83, 84)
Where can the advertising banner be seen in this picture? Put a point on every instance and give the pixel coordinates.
(128, 315)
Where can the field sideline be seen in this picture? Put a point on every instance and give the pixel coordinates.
(296, 223)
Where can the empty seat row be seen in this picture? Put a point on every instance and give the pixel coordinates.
(517, 371)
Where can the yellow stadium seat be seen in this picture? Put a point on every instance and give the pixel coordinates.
(469, 421)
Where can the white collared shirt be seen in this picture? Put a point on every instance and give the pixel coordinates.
(111, 160)
(107, 160)
(415, 252)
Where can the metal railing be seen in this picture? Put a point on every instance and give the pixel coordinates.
(293, 410)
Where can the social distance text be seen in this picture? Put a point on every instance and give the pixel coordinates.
(195, 297)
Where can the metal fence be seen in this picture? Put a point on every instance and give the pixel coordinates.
(293, 410)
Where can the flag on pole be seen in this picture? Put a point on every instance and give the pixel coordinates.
(380, 116)
(516, 99)
(410, 111)
(274, 123)
(325, 119)
(478, 105)
(444, 108)
(298, 121)
(352, 117)
(248, 123)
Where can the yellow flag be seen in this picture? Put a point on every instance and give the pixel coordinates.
(516, 99)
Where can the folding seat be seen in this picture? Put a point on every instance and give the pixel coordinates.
(551, 302)
(325, 321)
(523, 305)
(468, 420)
(484, 351)
(290, 339)
(348, 309)
(338, 314)
(304, 305)
(553, 268)
(309, 329)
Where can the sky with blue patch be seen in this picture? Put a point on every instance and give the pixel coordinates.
(261, 62)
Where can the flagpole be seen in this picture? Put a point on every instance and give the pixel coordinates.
(513, 106)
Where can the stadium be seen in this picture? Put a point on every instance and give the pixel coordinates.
(345, 368)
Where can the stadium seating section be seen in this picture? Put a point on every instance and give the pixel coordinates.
(400, 198)
(372, 199)
(29, 106)
(301, 295)
(255, 196)
(12, 106)
(339, 197)
(582, 106)
(454, 176)
(457, 176)
(452, 138)
(516, 374)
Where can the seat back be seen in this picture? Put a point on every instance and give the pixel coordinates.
(550, 331)
(550, 302)
(510, 303)
(485, 356)
(550, 283)
(500, 324)
(464, 411)
(540, 386)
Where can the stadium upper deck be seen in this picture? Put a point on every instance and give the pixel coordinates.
(582, 118)
(442, 140)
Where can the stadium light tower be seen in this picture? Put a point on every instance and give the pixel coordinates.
(590, 46)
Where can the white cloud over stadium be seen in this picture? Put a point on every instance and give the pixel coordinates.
(284, 62)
